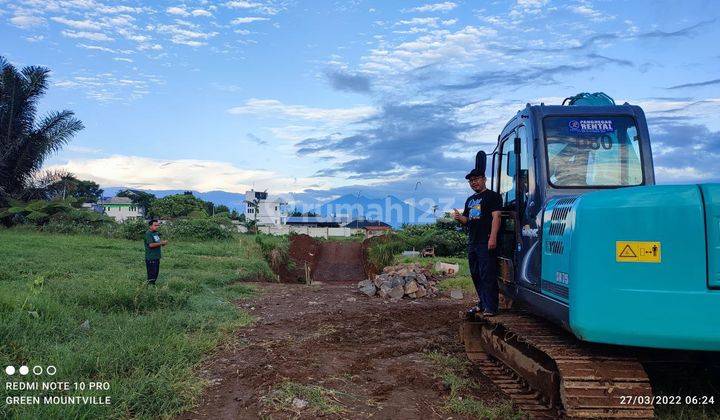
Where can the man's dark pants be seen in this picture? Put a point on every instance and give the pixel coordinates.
(483, 269)
(153, 269)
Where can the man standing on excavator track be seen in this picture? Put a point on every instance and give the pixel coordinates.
(481, 216)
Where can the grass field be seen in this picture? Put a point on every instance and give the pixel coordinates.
(145, 341)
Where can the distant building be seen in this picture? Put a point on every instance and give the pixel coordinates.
(121, 208)
(371, 227)
(317, 221)
(264, 209)
(93, 207)
(371, 231)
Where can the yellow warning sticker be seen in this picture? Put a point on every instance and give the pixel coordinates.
(634, 251)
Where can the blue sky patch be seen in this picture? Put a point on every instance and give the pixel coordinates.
(317, 99)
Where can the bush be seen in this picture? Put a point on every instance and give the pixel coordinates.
(196, 229)
(223, 219)
(382, 254)
(67, 227)
(133, 229)
(275, 250)
(447, 242)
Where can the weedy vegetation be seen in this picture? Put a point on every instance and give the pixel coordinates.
(453, 371)
(320, 400)
(81, 303)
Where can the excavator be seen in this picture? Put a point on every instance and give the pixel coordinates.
(602, 272)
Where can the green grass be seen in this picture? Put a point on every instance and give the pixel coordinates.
(147, 342)
(319, 400)
(454, 373)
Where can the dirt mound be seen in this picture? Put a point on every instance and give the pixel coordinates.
(328, 261)
(340, 261)
(304, 251)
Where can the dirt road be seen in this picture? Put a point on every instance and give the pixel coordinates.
(364, 356)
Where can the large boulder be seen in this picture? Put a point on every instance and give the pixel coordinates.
(380, 279)
(367, 287)
(396, 281)
(421, 279)
(411, 287)
(384, 290)
(396, 292)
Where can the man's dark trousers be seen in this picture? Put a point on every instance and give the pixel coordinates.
(153, 269)
(483, 269)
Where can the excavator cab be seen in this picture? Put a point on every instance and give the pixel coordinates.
(547, 152)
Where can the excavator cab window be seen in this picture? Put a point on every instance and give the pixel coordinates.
(592, 152)
(508, 167)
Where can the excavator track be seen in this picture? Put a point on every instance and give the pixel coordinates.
(546, 368)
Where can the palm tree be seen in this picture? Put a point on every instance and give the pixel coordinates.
(25, 143)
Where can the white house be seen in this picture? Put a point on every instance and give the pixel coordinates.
(264, 209)
(121, 208)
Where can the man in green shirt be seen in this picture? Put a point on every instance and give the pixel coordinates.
(153, 252)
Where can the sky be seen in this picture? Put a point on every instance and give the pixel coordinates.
(323, 98)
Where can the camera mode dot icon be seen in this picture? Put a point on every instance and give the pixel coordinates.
(24, 370)
(10, 370)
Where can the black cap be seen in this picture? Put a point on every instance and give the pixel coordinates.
(475, 172)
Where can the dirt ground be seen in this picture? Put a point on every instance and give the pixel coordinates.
(340, 261)
(371, 352)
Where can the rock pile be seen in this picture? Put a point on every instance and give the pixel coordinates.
(396, 281)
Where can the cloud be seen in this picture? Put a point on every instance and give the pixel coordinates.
(200, 175)
(434, 7)
(256, 139)
(618, 61)
(101, 8)
(516, 78)
(697, 84)
(239, 4)
(346, 81)
(457, 49)
(268, 7)
(181, 35)
(271, 107)
(201, 12)
(587, 11)
(683, 32)
(403, 140)
(92, 36)
(153, 47)
(597, 38)
(97, 48)
(26, 21)
(523, 8)
(179, 11)
(78, 24)
(533, 75)
(82, 149)
(108, 87)
(432, 22)
(684, 152)
(250, 19)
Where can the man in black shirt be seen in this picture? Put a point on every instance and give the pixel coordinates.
(481, 216)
